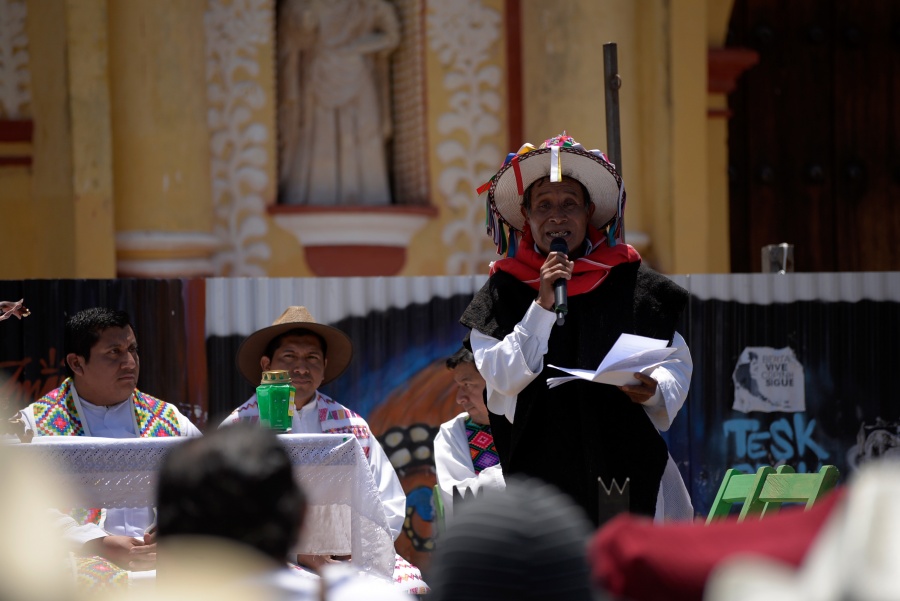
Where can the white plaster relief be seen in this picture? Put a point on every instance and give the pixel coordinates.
(237, 33)
(408, 102)
(463, 34)
(15, 76)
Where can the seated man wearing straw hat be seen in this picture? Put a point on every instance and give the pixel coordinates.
(315, 354)
(575, 433)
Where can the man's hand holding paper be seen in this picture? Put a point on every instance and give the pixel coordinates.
(628, 355)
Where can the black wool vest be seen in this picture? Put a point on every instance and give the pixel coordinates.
(580, 431)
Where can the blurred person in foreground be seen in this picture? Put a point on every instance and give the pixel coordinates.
(847, 539)
(34, 559)
(524, 543)
(232, 495)
(29, 541)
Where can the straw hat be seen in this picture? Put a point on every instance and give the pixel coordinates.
(557, 157)
(338, 354)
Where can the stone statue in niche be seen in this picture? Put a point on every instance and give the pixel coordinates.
(334, 114)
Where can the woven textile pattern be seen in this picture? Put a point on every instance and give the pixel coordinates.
(337, 419)
(97, 574)
(481, 446)
(55, 413)
(154, 416)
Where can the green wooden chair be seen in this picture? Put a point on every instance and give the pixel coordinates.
(764, 492)
(736, 487)
(787, 486)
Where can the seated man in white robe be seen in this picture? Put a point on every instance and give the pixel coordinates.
(101, 399)
(315, 354)
(465, 457)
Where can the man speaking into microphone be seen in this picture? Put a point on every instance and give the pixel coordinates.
(568, 287)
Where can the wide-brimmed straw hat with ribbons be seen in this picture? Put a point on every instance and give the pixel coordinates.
(556, 157)
(339, 347)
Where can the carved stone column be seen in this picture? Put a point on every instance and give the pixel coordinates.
(71, 173)
(163, 195)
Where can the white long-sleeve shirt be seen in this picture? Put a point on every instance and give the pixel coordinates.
(511, 364)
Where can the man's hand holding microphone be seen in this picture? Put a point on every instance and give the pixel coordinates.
(555, 273)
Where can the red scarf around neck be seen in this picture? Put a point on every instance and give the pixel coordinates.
(590, 270)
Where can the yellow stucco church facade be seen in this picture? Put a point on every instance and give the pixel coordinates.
(141, 137)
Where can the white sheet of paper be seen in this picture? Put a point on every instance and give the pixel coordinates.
(629, 354)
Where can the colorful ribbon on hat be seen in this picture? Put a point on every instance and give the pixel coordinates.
(555, 166)
(525, 148)
(507, 243)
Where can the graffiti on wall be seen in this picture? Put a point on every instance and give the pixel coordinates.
(790, 439)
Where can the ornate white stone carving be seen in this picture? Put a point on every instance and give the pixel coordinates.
(408, 102)
(237, 31)
(15, 77)
(463, 33)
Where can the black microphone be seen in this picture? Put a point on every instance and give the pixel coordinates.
(560, 292)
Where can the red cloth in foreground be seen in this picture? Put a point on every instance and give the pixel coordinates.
(633, 558)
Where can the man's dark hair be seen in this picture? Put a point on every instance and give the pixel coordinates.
(83, 329)
(234, 483)
(526, 197)
(463, 355)
(276, 342)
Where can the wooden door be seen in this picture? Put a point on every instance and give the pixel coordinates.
(814, 137)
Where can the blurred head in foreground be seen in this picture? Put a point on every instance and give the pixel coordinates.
(234, 483)
(524, 543)
(29, 541)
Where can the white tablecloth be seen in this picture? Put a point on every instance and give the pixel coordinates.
(344, 514)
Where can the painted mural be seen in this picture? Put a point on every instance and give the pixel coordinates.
(789, 369)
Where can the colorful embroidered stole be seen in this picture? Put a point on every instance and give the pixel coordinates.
(55, 414)
(154, 416)
(481, 445)
(337, 419)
